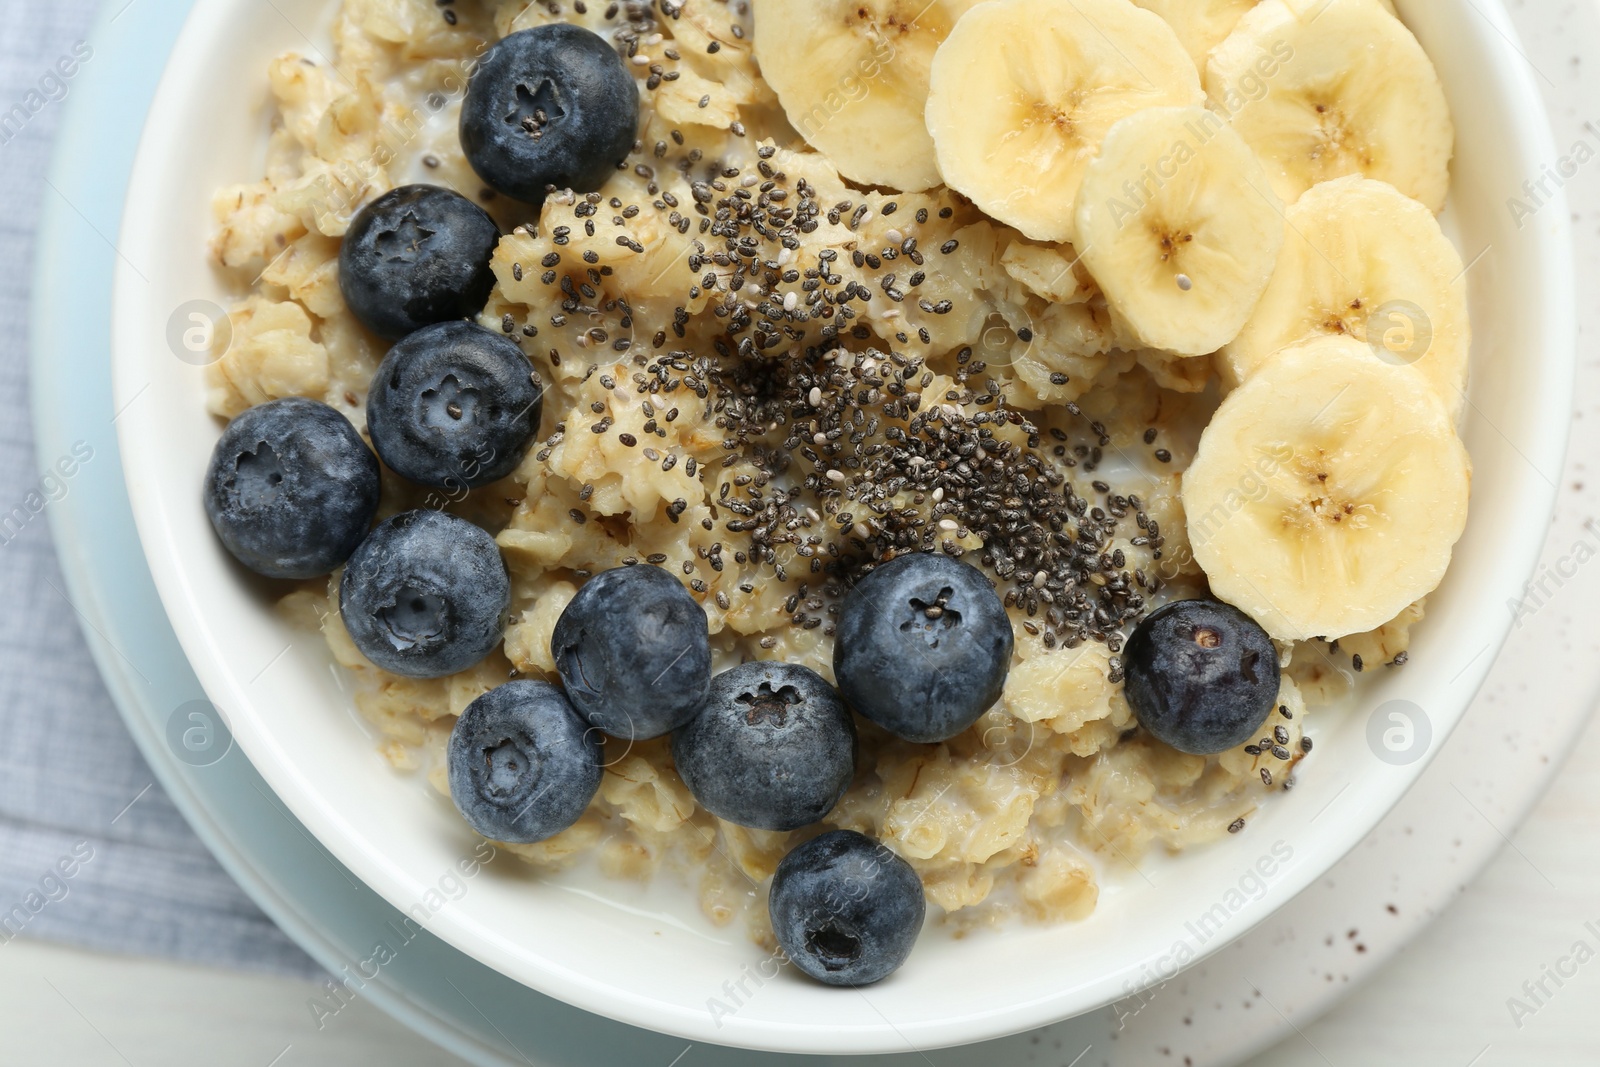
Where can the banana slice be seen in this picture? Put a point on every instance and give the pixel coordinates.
(1203, 24)
(1327, 492)
(1363, 261)
(1179, 227)
(1023, 92)
(1325, 88)
(852, 76)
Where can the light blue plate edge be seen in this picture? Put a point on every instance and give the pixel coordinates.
(110, 589)
(456, 1002)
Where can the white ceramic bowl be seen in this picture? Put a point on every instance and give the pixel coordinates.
(648, 958)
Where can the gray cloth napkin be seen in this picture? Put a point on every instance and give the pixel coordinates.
(92, 852)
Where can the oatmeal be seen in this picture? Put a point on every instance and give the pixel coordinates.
(768, 379)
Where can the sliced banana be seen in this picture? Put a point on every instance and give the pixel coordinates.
(852, 76)
(1325, 88)
(1328, 492)
(1023, 92)
(1179, 227)
(1363, 261)
(1203, 24)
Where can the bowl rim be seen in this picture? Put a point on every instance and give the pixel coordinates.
(185, 608)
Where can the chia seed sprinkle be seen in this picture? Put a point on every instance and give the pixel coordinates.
(891, 474)
(837, 456)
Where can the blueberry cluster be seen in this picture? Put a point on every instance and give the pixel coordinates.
(292, 489)
(767, 745)
(924, 648)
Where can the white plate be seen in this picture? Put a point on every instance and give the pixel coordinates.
(636, 961)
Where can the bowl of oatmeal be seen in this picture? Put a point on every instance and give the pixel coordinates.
(991, 383)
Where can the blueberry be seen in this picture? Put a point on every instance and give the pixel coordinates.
(633, 652)
(549, 107)
(424, 594)
(522, 765)
(923, 646)
(454, 405)
(845, 909)
(417, 255)
(774, 749)
(1202, 676)
(291, 488)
